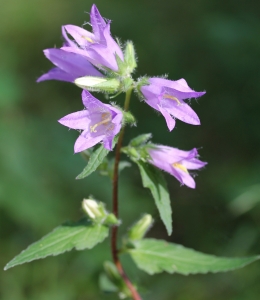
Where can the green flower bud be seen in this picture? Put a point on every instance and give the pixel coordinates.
(129, 118)
(114, 277)
(129, 56)
(140, 228)
(112, 273)
(140, 139)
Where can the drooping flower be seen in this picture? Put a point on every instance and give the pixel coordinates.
(167, 97)
(176, 162)
(98, 46)
(69, 66)
(99, 122)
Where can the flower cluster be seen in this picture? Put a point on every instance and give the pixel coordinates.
(95, 62)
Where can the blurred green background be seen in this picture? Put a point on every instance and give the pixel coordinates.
(215, 46)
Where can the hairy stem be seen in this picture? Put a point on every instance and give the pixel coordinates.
(114, 249)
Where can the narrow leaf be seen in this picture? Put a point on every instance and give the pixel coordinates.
(95, 160)
(81, 235)
(153, 179)
(155, 256)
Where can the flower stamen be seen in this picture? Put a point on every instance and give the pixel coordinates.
(87, 38)
(180, 166)
(172, 98)
(105, 117)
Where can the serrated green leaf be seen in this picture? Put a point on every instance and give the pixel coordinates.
(95, 160)
(81, 235)
(155, 256)
(153, 179)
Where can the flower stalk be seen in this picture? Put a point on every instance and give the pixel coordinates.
(115, 210)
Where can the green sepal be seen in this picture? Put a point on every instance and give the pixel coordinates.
(141, 82)
(126, 84)
(129, 118)
(79, 235)
(136, 153)
(155, 256)
(126, 66)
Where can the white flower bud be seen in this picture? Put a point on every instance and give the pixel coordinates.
(99, 84)
(93, 209)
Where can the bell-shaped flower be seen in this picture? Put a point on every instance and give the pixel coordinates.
(69, 66)
(167, 96)
(98, 46)
(176, 162)
(99, 122)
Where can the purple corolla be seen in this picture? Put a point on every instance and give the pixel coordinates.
(69, 66)
(99, 122)
(176, 162)
(167, 97)
(98, 46)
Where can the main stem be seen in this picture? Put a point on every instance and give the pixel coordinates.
(114, 249)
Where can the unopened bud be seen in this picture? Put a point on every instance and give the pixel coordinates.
(129, 56)
(129, 118)
(140, 228)
(115, 278)
(112, 272)
(97, 212)
(98, 84)
(140, 139)
(93, 209)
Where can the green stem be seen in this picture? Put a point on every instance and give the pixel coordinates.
(114, 249)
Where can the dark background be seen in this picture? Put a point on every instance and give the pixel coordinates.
(215, 46)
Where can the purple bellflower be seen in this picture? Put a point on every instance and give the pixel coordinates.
(98, 46)
(176, 162)
(167, 97)
(99, 122)
(69, 66)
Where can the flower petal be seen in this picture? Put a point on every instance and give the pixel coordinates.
(74, 64)
(76, 120)
(179, 86)
(183, 94)
(193, 164)
(92, 103)
(85, 141)
(181, 111)
(67, 42)
(186, 178)
(56, 74)
(169, 120)
(108, 142)
(80, 35)
(97, 22)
